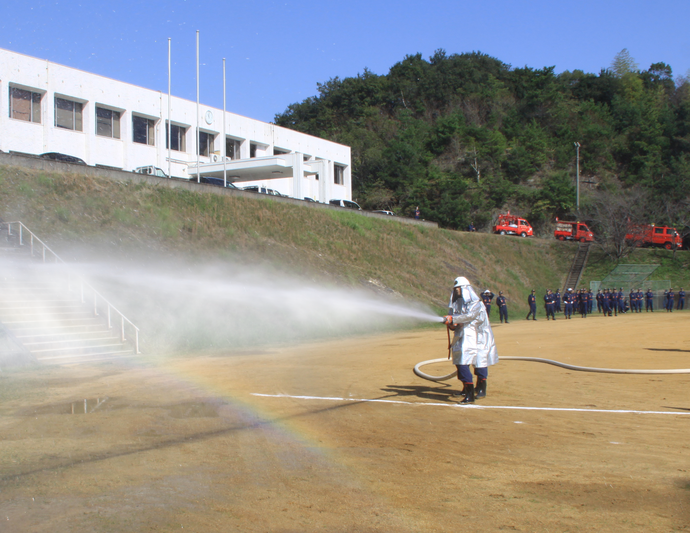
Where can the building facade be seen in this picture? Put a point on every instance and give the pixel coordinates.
(48, 107)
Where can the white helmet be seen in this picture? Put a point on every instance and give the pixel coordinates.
(468, 293)
(461, 282)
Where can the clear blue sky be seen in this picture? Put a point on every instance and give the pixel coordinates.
(277, 51)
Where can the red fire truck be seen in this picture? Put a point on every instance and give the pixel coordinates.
(651, 235)
(513, 225)
(572, 231)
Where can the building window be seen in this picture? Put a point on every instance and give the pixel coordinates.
(232, 148)
(205, 143)
(339, 178)
(25, 105)
(68, 114)
(107, 123)
(176, 139)
(143, 131)
(252, 149)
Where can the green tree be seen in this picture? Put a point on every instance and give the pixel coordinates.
(623, 64)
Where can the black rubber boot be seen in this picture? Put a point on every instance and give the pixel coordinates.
(480, 389)
(469, 393)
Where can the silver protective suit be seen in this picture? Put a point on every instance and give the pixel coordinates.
(473, 342)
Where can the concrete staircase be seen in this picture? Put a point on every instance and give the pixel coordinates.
(577, 266)
(50, 323)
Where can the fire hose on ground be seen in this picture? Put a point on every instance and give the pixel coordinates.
(423, 375)
(418, 366)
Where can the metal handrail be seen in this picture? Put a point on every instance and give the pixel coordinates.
(82, 284)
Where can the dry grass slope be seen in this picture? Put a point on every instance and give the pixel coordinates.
(75, 212)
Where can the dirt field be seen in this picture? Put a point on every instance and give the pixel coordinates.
(172, 443)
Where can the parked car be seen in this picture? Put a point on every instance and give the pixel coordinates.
(57, 156)
(151, 171)
(261, 190)
(307, 199)
(508, 224)
(345, 203)
(218, 182)
(384, 212)
(572, 231)
(651, 235)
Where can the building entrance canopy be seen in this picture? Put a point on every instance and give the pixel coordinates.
(257, 168)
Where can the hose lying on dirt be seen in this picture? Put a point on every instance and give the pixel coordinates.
(421, 374)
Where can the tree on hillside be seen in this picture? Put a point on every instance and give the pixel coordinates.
(623, 63)
(611, 213)
(465, 135)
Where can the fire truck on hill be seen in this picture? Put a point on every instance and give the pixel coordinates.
(651, 235)
(572, 231)
(513, 225)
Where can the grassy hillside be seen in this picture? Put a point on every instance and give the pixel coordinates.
(672, 267)
(85, 218)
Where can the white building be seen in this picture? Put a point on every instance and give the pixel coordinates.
(53, 108)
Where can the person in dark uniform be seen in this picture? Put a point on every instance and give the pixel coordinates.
(568, 304)
(613, 302)
(599, 298)
(583, 303)
(502, 307)
(550, 304)
(605, 303)
(557, 301)
(670, 300)
(632, 298)
(576, 301)
(681, 299)
(532, 302)
(621, 299)
(590, 301)
(487, 297)
(640, 299)
(649, 301)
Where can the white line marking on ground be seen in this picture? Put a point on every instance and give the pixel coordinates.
(470, 406)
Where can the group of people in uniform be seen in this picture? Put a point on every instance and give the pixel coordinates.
(610, 302)
(501, 302)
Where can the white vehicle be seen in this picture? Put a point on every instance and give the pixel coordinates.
(151, 171)
(261, 190)
(345, 203)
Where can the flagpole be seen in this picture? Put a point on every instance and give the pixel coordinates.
(224, 139)
(169, 104)
(198, 175)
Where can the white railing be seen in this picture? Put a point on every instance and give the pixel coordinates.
(99, 302)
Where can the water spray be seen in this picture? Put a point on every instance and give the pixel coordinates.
(226, 305)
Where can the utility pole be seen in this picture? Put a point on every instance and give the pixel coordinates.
(577, 174)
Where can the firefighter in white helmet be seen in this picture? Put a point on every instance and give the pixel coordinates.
(473, 341)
